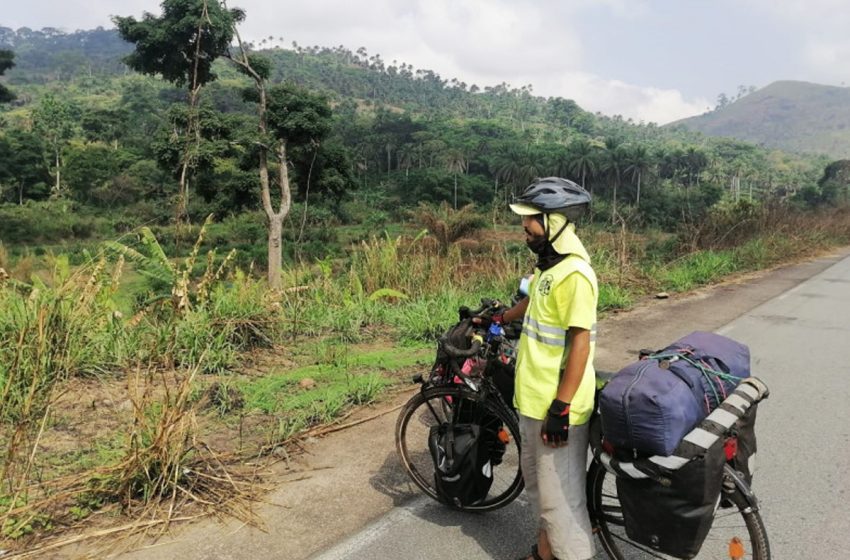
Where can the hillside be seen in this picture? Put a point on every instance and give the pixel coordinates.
(788, 115)
(86, 129)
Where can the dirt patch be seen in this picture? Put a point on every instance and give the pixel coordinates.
(93, 418)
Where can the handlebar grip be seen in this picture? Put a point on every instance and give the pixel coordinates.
(457, 352)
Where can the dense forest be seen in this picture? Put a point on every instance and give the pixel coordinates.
(102, 149)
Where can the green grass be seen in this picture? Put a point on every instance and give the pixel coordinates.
(697, 269)
(344, 378)
(613, 297)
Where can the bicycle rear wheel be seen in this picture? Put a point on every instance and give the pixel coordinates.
(438, 405)
(738, 521)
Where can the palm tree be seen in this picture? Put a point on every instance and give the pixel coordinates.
(508, 167)
(695, 161)
(455, 162)
(583, 159)
(638, 163)
(561, 162)
(531, 165)
(614, 163)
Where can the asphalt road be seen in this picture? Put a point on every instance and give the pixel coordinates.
(800, 343)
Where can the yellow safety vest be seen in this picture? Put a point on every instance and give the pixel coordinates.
(544, 344)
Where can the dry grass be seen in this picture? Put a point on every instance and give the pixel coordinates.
(164, 475)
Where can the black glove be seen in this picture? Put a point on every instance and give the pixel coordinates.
(556, 425)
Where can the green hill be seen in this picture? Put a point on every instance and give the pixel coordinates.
(397, 136)
(789, 115)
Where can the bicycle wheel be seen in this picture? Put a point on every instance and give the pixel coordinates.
(738, 521)
(438, 405)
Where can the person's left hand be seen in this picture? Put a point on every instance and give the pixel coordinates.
(556, 426)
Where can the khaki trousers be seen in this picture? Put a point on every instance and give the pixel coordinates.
(555, 483)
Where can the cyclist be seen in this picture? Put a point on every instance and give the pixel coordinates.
(555, 380)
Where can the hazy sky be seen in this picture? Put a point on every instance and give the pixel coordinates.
(652, 60)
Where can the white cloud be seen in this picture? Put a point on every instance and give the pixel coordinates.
(614, 97)
(485, 42)
(821, 27)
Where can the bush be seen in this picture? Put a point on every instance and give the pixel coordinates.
(49, 222)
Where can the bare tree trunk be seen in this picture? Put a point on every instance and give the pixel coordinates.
(455, 190)
(58, 171)
(614, 203)
(275, 218)
(275, 249)
(307, 194)
(637, 199)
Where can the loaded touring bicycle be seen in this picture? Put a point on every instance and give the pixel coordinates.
(458, 440)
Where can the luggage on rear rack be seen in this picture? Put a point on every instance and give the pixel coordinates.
(650, 405)
(742, 449)
(674, 519)
(669, 503)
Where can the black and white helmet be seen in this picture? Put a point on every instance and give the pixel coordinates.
(552, 194)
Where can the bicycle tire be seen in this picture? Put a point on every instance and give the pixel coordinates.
(432, 406)
(606, 519)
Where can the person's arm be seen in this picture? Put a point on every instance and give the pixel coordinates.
(516, 312)
(576, 364)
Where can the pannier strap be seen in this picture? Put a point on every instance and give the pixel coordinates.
(695, 443)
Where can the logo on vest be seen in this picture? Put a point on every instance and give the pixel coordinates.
(545, 285)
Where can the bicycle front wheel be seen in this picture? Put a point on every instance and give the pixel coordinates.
(440, 405)
(737, 533)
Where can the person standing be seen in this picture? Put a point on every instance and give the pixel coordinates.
(555, 379)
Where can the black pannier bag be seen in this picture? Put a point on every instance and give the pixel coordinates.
(745, 436)
(674, 519)
(463, 470)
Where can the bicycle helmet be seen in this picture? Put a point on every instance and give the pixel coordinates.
(552, 195)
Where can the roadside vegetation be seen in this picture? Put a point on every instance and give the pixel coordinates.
(150, 358)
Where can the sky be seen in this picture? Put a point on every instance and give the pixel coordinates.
(649, 60)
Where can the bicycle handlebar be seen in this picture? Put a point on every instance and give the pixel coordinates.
(455, 352)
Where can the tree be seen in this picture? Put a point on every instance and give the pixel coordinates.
(104, 125)
(614, 164)
(287, 114)
(562, 111)
(695, 161)
(583, 159)
(210, 140)
(835, 181)
(22, 165)
(638, 163)
(181, 46)
(55, 120)
(6, 62)
(455, 162)
(296, 118)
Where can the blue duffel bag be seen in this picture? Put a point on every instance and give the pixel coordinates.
(649, 406)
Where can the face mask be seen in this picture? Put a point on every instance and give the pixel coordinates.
(537, 244)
